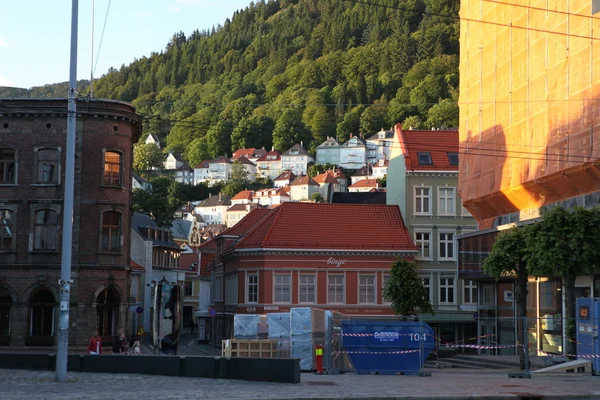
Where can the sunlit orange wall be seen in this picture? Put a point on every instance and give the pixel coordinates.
(529, 119)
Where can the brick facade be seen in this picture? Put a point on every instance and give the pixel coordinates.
(29, 264)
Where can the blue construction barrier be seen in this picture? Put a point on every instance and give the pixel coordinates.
(394, 347)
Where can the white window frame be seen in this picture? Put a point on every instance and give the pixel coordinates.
(248, 276)
(301, 285)
(444, 286)
(440, 242)
(427, 286)
(384, 278)
(417, 243)
(329, 300)
(422, 197)
(276, 285)
(373, 288)
(472, 287)
(444, 200)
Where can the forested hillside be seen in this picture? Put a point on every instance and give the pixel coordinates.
(285, 71)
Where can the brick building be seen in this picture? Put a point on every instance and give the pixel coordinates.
(32, 166)
(330, 256)
(529, 140)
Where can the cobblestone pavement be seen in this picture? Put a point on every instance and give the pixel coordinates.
(21, 384)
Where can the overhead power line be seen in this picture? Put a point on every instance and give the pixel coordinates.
(506, 25)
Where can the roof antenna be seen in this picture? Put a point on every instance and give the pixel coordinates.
(92, 63)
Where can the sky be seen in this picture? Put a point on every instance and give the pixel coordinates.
(35, 34)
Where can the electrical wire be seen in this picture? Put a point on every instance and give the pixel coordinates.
(509, 25)
(102, 36)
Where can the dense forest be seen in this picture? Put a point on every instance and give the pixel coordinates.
(285, 71)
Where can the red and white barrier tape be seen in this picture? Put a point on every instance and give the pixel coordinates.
(478, 346)
(377, 352)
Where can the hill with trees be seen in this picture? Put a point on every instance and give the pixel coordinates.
(284, 71)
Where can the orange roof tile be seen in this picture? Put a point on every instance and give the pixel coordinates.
(364, 183)
(272, 153)
(246, 223)
(325, 177)
(304, 180)
(328, 226)
(285, 176)
(437, 143)
(243, 195)
(203, 164)
(242, 153)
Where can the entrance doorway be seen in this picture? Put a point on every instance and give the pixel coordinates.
(42, 305)
(488, 336)
(107, 313)
(5, 305)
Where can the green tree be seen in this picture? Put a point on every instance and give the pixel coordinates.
(509, 257)
(218, 139)
(443, 114)
(289, 130)
(196, 152)
(414, 122)
(382, 181)
(567, 244)
(317, 169)
(350, 124)
(147, 156)
(405, 290)
(238, 180)
(161, 203)
(373, 119)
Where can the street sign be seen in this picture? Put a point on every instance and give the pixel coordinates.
(139, 310)
(140, 331)
(212, 312)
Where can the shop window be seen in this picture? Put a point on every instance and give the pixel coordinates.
(41, 307)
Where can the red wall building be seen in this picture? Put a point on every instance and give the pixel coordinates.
(328, 256)
(32, 167)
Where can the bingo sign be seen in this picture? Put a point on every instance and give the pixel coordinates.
(386, 336)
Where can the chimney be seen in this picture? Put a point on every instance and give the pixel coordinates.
(272, 148)
(351, 135)
(220, 196)
(301, 144)
(209, 195)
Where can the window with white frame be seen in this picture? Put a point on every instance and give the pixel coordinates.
(252, 288)
(423, 200)
(446, 246)
(470, 295)
(282, 289)
(446, 290)
(366, 289)
(427, 286)
(423, 243)
(335, 289)
(308, 285)
(446, 200)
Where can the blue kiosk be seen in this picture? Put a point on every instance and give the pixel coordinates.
(588, 319)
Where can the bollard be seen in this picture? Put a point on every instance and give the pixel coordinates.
(319, 358)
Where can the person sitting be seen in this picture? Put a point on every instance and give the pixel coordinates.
(95, 344)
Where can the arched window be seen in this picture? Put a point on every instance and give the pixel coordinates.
(107, 312)
(42, 306)
(45, 230)
(111, 231)
(5, 305)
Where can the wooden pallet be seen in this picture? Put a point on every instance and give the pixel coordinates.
(256, 348)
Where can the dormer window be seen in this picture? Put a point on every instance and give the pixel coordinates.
(424, 158)
(453, 158)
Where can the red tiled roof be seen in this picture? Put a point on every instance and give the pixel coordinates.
(304, 180)
(265, 157)
(338, 174)
(242, 153)
(328, 226)
(203, 164)
(243, 195)
(325, 177)
(365, 183)
(247, 222)
(135, 266)
(437, 143)
(221, 160)
(285, 176)
(244, 161)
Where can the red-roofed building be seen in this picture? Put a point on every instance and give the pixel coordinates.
(303, 188)
(330, 256)
(249, 166)
(243, 197)
(251, 154)
(269, 165)
(272, 196)
(328, 178)
(422, 178)
(365, 185)
(284, 179)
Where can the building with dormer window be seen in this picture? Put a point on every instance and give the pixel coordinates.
(353, 153)
(328, 152)
(329, 256)
(251, 154)
(284, 179)
(422, 179)
(269, 165)
(296, 159)
(271, 196)
(303, 188)
(379, 146)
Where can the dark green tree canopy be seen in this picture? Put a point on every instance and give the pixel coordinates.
(405, 290)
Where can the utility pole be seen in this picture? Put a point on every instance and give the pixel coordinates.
(67, 236)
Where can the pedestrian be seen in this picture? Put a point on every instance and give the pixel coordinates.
(193, 325)
(116, 345)
(124, 342)
(95, 345)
